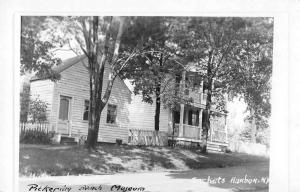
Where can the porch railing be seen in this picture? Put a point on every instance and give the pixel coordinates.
(196, 95)
(189, 131)
(195, 132)
(192, 132)
(218, 136)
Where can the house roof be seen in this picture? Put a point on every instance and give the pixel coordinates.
(67, 64)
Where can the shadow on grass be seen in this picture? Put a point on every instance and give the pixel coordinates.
(39, 160)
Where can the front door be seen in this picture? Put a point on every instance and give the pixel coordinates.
(63, 125)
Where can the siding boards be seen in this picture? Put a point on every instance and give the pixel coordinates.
(142, 115)
(74, 83)
(43, 90)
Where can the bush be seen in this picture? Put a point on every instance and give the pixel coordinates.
(37, 110)
(34, 137)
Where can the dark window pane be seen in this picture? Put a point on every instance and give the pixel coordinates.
(86, 110)
(86, 115)
(190, 117)
(197, 118)
(111, 114)
(194, 119)
(176, 117)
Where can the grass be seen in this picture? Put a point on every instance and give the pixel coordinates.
(42, 160)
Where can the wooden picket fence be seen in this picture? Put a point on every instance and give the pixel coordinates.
(147, 137)
(38, 127)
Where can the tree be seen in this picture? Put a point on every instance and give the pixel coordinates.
(36, 55)
(99, 40)
(213, 45)
(152, 71)
(253, 82)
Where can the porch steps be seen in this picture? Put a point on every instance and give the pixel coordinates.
(66, 140)
(216, 146)
(212, 146)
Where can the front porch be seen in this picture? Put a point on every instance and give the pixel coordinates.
(194, 133)
(186, 128)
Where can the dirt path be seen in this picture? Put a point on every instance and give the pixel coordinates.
(236, 178)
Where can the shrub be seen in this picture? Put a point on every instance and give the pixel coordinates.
(34, 137)
(37, 110)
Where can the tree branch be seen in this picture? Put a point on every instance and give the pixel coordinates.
(115, 56)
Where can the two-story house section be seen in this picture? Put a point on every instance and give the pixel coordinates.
(183, 123)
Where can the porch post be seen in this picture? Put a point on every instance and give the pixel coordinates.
(182, 84)
(201, 92)
(200, 123)
(180, 131)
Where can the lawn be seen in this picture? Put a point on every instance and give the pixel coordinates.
(43, 160)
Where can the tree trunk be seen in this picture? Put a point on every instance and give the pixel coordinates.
(157, 108)
(206, 122)
(204, 132)
(157, 97)
(96, 70)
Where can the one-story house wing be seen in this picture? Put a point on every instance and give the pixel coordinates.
(68, 102)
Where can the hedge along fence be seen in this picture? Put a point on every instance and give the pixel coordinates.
(147, 137)
(35, 133)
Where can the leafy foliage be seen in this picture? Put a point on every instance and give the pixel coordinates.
(231, 55)
(223, 50)
(36, 54)
(253, 80)
(99, 40)
(37, 110)
(262, 135)
(154, 70)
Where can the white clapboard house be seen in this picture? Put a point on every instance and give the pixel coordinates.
(184, 125)
(68, 102)
(125, 116)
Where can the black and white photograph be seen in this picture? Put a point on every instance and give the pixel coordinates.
(113, 100)
(157, 97)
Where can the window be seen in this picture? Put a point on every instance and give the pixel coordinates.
(111, 114)
(193, 118)
(86, 110)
